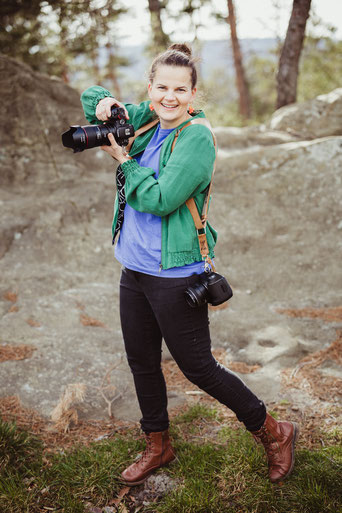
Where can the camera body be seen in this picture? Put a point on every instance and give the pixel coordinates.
(211, 288)
(81, 138)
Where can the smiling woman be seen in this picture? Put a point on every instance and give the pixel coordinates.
(172, 86)
(171, 93)
(163, 261)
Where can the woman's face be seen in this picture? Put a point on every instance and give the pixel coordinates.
(170, 94)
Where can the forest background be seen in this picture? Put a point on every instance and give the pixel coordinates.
(87, 42)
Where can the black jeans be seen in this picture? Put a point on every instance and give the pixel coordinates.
(152, 308)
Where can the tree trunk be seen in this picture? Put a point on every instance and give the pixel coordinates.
(241, 82)
(287, 76)
(159, 39)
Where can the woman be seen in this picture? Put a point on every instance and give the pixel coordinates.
(159, 250)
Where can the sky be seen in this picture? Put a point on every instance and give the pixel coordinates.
(255, 18)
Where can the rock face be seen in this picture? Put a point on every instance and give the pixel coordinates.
(318, 118)
(35, 110)
(277, 206)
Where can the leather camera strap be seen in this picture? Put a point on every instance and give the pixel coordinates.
(140, 131)
(200, 221)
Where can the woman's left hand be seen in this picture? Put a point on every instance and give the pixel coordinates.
(114, 150)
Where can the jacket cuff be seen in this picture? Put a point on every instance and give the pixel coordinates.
(99, 96)
(129, 166)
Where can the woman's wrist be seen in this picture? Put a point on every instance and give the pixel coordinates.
(122, 159)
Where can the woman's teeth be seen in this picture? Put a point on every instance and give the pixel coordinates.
(169, 106)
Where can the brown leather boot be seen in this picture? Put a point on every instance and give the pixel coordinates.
(278, 439)
(158, 452)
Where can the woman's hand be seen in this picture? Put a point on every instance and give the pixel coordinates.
(114, 150)
(104, 107)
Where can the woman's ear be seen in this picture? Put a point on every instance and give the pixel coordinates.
(194, 91)
(149, 89)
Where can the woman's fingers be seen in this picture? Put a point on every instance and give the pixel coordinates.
(112, 141)
(114, 149)
(118, 104)
(104, 108)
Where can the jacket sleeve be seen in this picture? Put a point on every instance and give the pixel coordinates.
(138, 114)
(187, 172)
(89, 99)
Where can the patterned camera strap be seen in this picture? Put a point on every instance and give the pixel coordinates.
(120, 179)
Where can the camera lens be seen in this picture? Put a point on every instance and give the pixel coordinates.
(82, 137)
(196, 296)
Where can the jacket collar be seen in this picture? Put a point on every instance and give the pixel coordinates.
(141, 142)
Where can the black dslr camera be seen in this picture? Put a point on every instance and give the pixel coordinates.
(81, 138)
(211, 288)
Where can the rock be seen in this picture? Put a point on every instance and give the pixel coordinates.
(320, 117)
(235, 138)
(155, 487)
(277, 207)
(35, 110)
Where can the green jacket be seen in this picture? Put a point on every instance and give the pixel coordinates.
(184, 173)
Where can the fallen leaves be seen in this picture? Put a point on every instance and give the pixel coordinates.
(15, 352)
(243, 368)
(331, 314)
(33, 323)
(11, 296)
(306, 375)
(86, 320)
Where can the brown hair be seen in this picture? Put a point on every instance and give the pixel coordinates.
(178, 54)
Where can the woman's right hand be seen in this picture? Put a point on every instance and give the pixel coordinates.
(103, 108)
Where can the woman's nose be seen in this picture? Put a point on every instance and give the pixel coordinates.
(170, 95)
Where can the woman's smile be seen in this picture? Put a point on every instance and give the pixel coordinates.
(170, 94)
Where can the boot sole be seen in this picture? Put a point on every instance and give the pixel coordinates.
(294, 440)
(141, 481)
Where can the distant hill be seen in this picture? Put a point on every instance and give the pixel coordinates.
(214, 55)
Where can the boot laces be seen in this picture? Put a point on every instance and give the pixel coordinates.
(148, 449)
(268, 441)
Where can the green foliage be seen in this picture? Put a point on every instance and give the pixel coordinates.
(229, 474)
(20, 28)
(18, 448)
(217, 97)
(321, 67)
(189, 13)
(198, 468)
(261, 75)
(49, 35)
(320, 72)
(93, 471)
(197, 412)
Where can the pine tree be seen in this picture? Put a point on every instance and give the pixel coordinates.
(287, 76)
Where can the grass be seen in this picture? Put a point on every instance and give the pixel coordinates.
(219, 469)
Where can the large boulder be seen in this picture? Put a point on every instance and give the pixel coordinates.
(276, 205)
(236, 138)
(35, 109)
(320, 117)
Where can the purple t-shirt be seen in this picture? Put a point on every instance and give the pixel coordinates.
(139, 244)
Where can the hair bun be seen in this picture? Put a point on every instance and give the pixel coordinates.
(181, 47)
